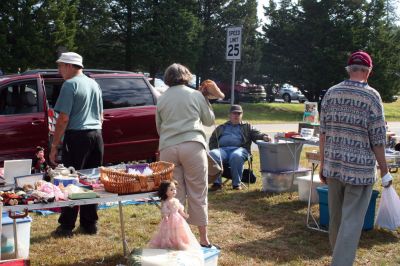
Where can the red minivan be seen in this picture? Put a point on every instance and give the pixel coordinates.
(27, 118)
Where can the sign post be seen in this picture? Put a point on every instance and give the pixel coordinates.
(233, 52)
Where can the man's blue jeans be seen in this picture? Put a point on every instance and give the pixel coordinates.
(235, 157)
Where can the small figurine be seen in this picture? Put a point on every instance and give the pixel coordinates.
(173, 232)
(9, 198)
(39, 164)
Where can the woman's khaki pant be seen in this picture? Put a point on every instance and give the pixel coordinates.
(190, 172)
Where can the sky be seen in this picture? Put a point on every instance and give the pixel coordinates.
(260, 9)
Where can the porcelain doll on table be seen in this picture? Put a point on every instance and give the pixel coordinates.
(39, 164)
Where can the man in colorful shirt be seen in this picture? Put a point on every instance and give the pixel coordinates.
(352, 140)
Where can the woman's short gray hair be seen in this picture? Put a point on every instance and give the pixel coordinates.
(177, 74)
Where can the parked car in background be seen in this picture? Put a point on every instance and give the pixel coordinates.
(244, 91)
(288, 93)
(27, 116)
(159, 86)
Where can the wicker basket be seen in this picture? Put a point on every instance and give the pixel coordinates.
(118, 181)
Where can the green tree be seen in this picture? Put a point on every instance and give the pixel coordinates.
(169, 34)
(21, 41)
(384, 43)
(211, 39)
(31, 31)
(307, 44)
(96, 37)
(216, 16)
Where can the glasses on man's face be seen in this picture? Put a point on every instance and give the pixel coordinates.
(236, 113)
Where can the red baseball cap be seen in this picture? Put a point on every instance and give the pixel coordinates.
(360, 58)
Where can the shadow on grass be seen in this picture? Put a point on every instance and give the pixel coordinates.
(286, 247)
(285, 217)
(377, 237)
(40, 238)
(105, 261)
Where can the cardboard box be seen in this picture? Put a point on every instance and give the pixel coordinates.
(308, 125)
(324, 209)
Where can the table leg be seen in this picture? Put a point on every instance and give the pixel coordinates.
(297, 147)
(314, 226)
(121, 219)
(313, 168)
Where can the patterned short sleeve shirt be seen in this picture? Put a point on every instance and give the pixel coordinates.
(353, 121)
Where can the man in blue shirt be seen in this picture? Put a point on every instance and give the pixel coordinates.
(231, 143)
(80, 109)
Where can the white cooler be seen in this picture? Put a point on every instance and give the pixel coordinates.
(23, 237)
(304, 187)
(161, 257)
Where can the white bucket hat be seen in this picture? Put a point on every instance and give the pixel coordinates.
(70, 58)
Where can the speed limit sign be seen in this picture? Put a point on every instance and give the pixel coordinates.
(233, 43)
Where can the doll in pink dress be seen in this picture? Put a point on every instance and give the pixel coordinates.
(173, 232)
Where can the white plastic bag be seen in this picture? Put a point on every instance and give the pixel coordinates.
(389, 210)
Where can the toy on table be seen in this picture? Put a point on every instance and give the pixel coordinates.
(173, 231)
(41, 192)
(39, 164)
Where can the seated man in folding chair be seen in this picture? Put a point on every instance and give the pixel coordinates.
(230, 142)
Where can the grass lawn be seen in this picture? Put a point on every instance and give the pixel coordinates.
(261, 113)
(252, 228)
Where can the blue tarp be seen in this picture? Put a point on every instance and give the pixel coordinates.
(102, 206)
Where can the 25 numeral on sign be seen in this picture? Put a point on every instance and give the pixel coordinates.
(233, 49)
(233, 43)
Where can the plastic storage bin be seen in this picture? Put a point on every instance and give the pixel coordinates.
(210, 256)
(280, 156)
(65, 180)
(282, 181)
(324, 209)
(304, 187)
(161, 257)
(23, 237)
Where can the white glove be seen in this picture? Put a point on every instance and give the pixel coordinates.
(386, 179)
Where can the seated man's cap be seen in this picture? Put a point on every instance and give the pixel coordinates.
(70, 58)
(360, 58)
(236, 108)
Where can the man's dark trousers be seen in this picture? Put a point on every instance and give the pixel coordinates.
(82, 149)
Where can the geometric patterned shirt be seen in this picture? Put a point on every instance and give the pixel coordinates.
(353, 121)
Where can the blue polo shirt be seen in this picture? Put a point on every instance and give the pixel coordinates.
(80, 98)
(231, 136)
